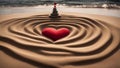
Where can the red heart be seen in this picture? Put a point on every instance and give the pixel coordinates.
(55, 34)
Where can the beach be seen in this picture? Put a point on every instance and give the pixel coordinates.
(93, 42)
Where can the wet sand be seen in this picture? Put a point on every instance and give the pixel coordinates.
(93, 42)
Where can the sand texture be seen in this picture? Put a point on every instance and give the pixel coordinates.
(90, 41)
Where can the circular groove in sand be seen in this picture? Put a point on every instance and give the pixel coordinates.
(89, 39)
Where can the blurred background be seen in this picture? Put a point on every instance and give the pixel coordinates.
(80, 3)
(100, 7)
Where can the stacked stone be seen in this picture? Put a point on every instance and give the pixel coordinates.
(54, 14)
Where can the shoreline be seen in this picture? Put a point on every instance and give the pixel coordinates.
(62, 9)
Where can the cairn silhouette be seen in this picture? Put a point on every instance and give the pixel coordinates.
(54, 14)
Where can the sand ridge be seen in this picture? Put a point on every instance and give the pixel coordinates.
(89, 39)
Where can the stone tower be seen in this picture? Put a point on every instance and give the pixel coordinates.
(54, 14)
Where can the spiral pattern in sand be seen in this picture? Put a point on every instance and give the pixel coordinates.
(89, 39)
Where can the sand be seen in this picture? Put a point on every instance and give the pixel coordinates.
(93, 41)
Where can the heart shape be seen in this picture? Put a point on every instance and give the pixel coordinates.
(55, 34)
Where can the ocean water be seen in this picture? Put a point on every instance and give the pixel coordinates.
(61, 8)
